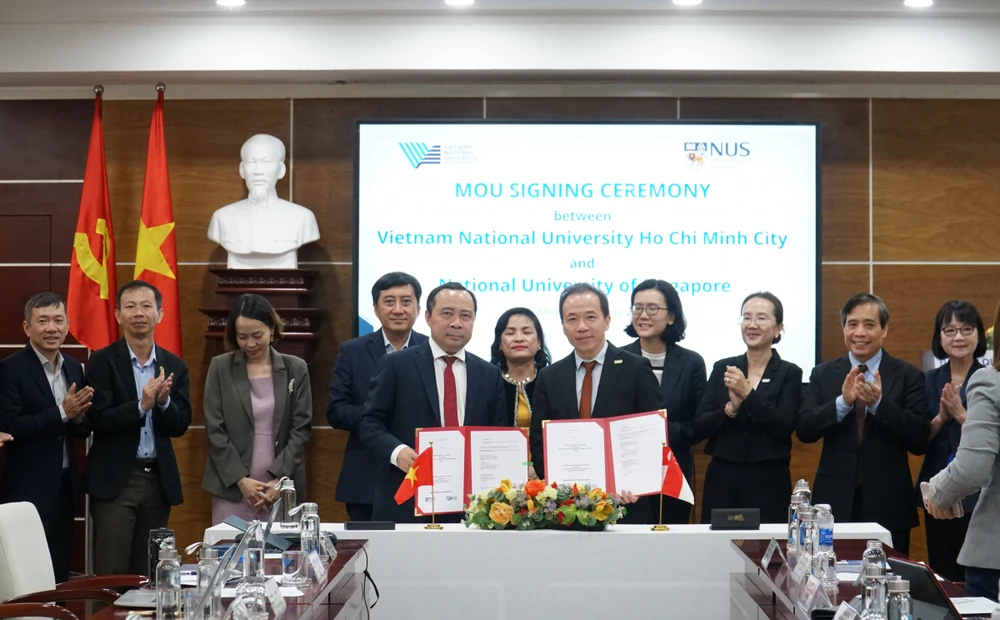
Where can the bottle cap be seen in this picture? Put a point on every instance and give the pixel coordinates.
(801, 484)
(208, 553)
(796, 498)
(824, 507)
(807, 513)
(168, 553)
(874, 544)
(309, 508)
(875, 570)
(286, 483)
(898, 585)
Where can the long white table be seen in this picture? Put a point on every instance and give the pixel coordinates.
(625, 572)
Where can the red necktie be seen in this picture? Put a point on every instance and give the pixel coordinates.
(860, 411)
(588, 389)
(450, 393)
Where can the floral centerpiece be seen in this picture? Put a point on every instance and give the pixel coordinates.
(537, 504)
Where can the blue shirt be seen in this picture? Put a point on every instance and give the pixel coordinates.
(388, 345)
(142, 375)
(842, 407)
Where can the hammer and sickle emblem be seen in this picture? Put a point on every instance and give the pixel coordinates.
(96, 270)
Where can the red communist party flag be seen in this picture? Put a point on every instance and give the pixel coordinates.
(156, 248)
(421, 474)
(674, 482)
(90, 301)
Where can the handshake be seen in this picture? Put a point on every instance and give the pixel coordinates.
(955, 512)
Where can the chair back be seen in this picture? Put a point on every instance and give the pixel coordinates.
(25, 565)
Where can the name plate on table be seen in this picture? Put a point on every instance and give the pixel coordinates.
(370, 525)
(735, 519)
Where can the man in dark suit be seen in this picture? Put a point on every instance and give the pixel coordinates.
(435, 384)
(596, 380)
(141, 400)
(43, 398)
(869, 409)
(396, 300)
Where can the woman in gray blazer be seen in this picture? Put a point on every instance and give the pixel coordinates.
(976, 466)
(258, 415)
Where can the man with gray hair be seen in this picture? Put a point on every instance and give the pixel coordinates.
(869, 409)
(43, 399)
(263, 231)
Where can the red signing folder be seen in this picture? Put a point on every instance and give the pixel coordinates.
(623, 453)
(467, 460)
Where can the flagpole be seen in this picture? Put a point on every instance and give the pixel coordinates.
(659, 527)
(432, 525)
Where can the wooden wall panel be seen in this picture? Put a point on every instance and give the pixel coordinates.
(936, 179)
(203, 148)
(843, 152)
(324, 160)
(326, 453)
(582, 108)
(840, 282)
(59, 201)
(44, 139)
(18, 285)
(24, 238)
(190, 519)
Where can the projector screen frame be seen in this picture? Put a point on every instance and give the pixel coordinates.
(355, 320)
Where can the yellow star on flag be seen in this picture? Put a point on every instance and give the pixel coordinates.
(148, 255)
(412, 475)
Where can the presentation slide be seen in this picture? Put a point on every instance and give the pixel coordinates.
(519, 211)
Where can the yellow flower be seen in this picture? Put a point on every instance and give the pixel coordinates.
(505, 486)
(602, 511)
(501, 513)
(531, 506)
(596, 494)
(549, 493)
(510, 494)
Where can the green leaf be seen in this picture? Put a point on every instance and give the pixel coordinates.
(481, 519)
(516, 519)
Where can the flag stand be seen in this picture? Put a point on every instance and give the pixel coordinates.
(659, 527)
(432, 525)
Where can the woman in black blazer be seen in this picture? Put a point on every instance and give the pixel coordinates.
(960, 338)
(748, 413)
(658, 324)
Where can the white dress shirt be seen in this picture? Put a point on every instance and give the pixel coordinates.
(461, 385)
(57, 382)
(388, 345)
(595, 374)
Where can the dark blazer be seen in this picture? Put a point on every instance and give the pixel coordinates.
(627, 386)
(28, 411)
(681, 389)
(229, 422)
(901, 425)
(352, 375)
(404, 398)
(944, 446)
(762, 429)
(116, 423)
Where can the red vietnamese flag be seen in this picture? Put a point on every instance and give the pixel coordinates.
(90, 301)
(156, 248)
(421, 474)
(674, 482)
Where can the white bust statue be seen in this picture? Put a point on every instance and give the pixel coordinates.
(263, 231)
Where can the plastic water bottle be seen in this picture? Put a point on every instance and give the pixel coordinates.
(310, 529)
(825, 560)
(793, 524)
(208, 565)
(802, 488)
(873, 604)
(250, 591)
(899, 605)
(809, 537)
(168, 583)
(874, 554)
(286, 490)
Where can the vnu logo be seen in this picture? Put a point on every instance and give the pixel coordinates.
(418, 154)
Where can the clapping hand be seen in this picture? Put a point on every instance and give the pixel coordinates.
(951, 403)
(739, 387)
(77, 402)
(869, 392)
(156, 390)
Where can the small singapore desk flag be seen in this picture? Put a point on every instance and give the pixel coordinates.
(674, 482)
(421, 474)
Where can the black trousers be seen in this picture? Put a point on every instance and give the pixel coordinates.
(944, 541)
(766, 486)
(122, 524)
(359, 512)
(900, 538)
(58, 528)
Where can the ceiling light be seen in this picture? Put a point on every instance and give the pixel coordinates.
(687, 2)
(230, 3)
(459, 2)
(918, 4)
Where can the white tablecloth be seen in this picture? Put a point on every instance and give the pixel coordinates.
(626, 572)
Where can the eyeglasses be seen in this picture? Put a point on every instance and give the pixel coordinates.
(650, 310)
(951, 332)
(759, 320)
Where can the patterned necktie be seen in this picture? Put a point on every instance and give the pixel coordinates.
(450, 393)
(860, 411)
(588, 389)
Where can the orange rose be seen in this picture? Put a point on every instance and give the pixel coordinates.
(501, 513)
(534, 487)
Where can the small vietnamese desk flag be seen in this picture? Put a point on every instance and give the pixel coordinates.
(674, 483)
(421, 474)
(156, 248)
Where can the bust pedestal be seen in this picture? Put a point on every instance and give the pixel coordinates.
(288, 290)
